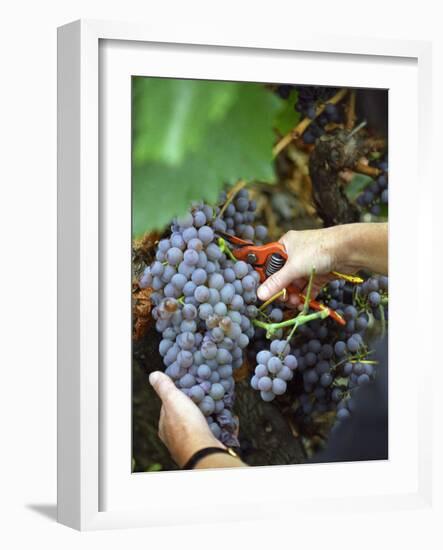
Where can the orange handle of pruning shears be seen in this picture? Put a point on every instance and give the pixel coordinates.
(259, 256)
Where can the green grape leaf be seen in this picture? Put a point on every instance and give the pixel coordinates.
(172, 116)
(287, 118)
(238, 146)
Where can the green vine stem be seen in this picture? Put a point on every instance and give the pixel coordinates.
(302, 318)
(295, 322)
(223, 245)
(308, 291)
(231, 195)
(356, 358)
(280, 294)
(264, 316)
(306, 304)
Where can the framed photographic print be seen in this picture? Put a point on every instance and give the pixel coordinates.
(225, 215)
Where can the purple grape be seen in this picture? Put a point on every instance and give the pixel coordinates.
(264, 383)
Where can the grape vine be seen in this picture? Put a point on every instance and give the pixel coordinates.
(208, 314)
(204, 302)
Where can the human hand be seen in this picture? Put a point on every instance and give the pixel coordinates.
(182, 426)
(319, 248)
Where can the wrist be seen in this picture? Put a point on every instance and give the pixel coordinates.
(346, 248)
(210, 457)
(363, 246)
(196, 444)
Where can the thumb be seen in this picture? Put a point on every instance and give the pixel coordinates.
(162, 384)
(276, 282)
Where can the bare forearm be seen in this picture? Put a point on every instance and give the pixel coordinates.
(364, 246)
(344, 248)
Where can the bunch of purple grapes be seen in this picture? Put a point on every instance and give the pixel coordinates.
(376, 194)
(238, 219)
(204, 303)
(327, 361)
(335, 360)
(308, 99)
(329, 366)
(274, 370)
(374, 293)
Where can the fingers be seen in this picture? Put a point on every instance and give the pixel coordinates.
(276, 282)
(163, 385)
(285, 238)
(174, 401)
(161, 425)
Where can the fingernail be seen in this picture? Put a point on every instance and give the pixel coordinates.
(153, 378)
(262, 292)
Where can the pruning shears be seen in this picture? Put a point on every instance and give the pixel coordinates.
(268, 258)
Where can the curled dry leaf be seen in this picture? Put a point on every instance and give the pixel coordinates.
(141, 311)
(143, 252)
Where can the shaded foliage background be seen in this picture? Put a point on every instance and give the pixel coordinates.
(191, 138)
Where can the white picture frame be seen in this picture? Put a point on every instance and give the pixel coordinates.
(96, 489)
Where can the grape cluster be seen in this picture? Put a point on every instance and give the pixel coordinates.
(309, 98)
(238, 217)
(274, 369)
(204, 303)
(327, 361)
(376, 193)
(205, 307)
(334, 359)
(373, 294)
